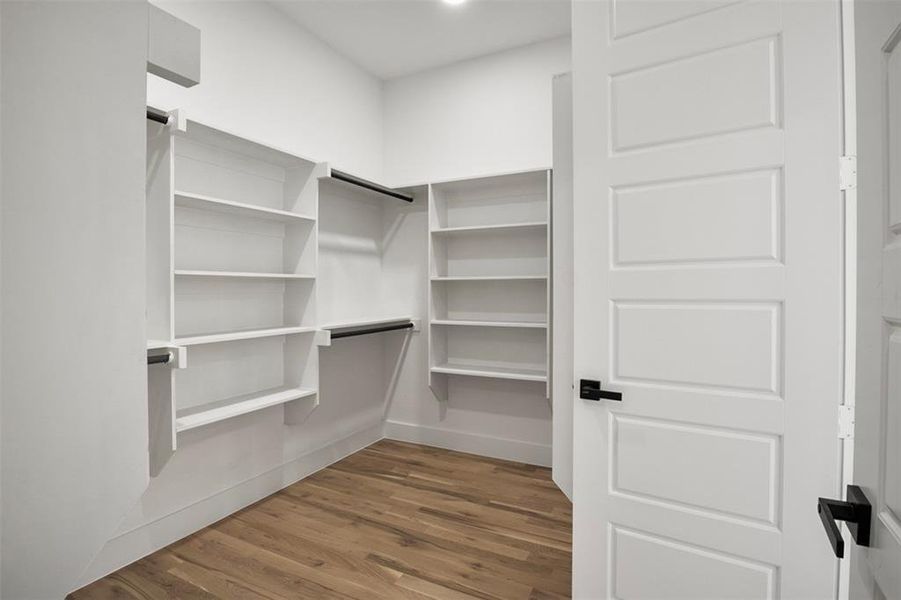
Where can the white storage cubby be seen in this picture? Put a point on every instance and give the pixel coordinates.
(232, 263)
(489, 265)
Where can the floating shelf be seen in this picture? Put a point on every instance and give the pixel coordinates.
(241, 274)
(492, 228)
(515, 324)
(247, 334)
(237, 406)
(188, 200)
(492, 372)
(493, 278)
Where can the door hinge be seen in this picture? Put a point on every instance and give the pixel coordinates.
(845, 421)
(847, 172)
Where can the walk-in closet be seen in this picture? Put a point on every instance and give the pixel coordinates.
(450, 300)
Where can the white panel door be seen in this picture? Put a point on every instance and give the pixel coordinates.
(708, 291)
(876, 571)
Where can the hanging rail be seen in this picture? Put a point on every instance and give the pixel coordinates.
(159, 359)
(369, 185)
(157, 115)
(368, 330)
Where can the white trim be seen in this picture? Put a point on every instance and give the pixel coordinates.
(471, 443)
(135, 544)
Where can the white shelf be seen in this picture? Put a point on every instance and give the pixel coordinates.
(492, 228)
(241, 274)
(493, 278)
(237, 406)
(492, 372)
(188, 200)
(365, 322)
(247, 334)
(516, 324)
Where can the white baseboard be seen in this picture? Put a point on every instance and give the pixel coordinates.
(483, 445)
(138, 543)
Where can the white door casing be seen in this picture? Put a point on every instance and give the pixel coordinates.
(708, 290)
(876, 571)
(562, 332)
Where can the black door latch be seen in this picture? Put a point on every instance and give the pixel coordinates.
(590, 389)
(856, 512)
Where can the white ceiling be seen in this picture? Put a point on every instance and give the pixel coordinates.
(392, 38)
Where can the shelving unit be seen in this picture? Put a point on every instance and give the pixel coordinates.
(489, 270)
(251, 248)
(232, 255)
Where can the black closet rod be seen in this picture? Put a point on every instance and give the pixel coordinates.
(159, 359)
(158, 116)
(346, 177)
(368, 330)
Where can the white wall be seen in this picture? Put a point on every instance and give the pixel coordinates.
(74, 415)
(482, 116)
(265, 78)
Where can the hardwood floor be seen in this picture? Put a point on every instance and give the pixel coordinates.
(395, 520)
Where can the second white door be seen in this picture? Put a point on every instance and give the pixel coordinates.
(708, 291)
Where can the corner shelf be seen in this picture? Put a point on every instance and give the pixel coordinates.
(491, 372)
(237, 406)
(492, 228)
(199, 201)
(248, 334)
(469, 323)
(241, 274)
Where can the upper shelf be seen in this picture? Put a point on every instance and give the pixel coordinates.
(188, 200)
(537, 225)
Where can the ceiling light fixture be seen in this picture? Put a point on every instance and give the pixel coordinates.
(454, 2)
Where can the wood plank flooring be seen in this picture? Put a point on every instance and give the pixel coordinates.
(395, 520)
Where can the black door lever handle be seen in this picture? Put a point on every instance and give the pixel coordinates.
(856, 512)
(590, 389)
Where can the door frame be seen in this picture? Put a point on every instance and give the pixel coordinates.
(849, 149)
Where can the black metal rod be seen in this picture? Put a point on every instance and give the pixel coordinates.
(368, 330)
(159, 117)
(159, 359)
(369, 185)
